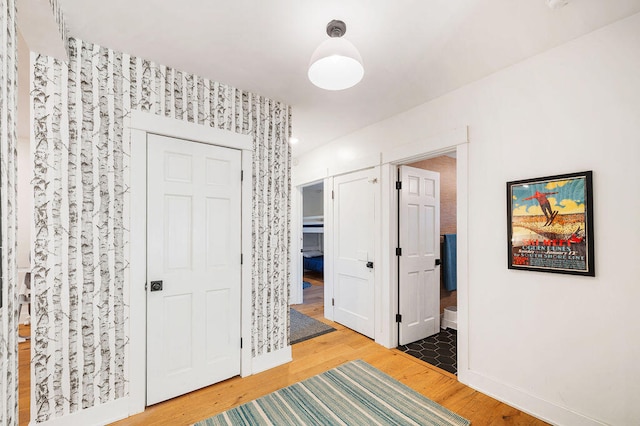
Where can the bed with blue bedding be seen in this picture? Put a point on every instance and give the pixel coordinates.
(313, 261)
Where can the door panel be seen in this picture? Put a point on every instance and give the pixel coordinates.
(178, 228)
(217, 322)
(193, 247)
(217, 221)
(354, 220)
(177, 344)
(419, 286)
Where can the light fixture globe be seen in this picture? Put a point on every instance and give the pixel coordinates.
(336, 64)
(557, 4)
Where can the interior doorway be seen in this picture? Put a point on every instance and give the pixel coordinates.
(310, 256)
(312, 251)
(307, 320)
(441, 348)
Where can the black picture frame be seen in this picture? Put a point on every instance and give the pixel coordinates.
(550, 224)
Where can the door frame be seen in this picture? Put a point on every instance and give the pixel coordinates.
(297, 243)
(295, 292)
(140, 124)
(453, 141)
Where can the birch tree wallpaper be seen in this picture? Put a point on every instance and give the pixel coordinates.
(59, 17)
(81, 180)
(8, 172)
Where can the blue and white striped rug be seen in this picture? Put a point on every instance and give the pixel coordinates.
(354, 393)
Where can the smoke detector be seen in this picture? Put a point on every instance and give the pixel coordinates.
(557, 4)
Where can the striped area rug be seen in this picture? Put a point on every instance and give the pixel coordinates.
(354, 393)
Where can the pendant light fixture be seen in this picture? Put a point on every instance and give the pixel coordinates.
(336, 63)
(557, 4)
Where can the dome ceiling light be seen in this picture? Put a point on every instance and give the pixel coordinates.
(557, 4)
(336, 63)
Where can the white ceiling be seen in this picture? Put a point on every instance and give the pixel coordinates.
(413, 50)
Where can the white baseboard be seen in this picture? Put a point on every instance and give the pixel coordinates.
(99, 415)
(271, 359)
(523, 401)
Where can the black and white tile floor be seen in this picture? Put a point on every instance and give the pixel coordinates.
(439, 350)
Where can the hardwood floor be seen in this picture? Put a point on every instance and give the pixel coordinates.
(24, 375)
(317, 355)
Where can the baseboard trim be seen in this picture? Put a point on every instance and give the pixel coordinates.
(103, 414)
(530, 404)
(271, 360)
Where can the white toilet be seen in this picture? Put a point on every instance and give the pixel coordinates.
(450, 318)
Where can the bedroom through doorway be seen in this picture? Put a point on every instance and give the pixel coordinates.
(313, 244)
(307, 313)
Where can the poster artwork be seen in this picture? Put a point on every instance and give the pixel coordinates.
(550, 224)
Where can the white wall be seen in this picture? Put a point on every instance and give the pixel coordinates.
(312, 204)
(565, 348)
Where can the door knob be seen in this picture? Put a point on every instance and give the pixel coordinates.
(370, 265)
(156, 285)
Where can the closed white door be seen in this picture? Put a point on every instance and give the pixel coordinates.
(193, 266)
(354, 263)
(419, 240)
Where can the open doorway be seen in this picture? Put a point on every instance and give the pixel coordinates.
(313, 243)
(440, 349)
(307, 315)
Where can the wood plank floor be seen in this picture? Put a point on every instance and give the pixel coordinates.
(315, 356)
(24, 376)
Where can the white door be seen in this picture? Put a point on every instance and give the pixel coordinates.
(354, 228)
(419, 240)
(193, 266)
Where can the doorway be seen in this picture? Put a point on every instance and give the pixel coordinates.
(143, 126)
(307, 319)
(312, 250)
(440, 349)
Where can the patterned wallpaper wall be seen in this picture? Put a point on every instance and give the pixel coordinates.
(59, 17)
(81, 181)
(8, 171)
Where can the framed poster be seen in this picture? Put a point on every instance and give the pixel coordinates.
(550, 224)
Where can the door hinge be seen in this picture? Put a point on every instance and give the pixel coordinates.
(146, 286)
(398, 251)
(398, 318)
(332, 194)
(333, 302)
(241, 343)
(241, 175)
(241, 258)
(398, 185)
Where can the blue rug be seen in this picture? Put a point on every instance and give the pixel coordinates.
(306, 284)
(354, 393)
